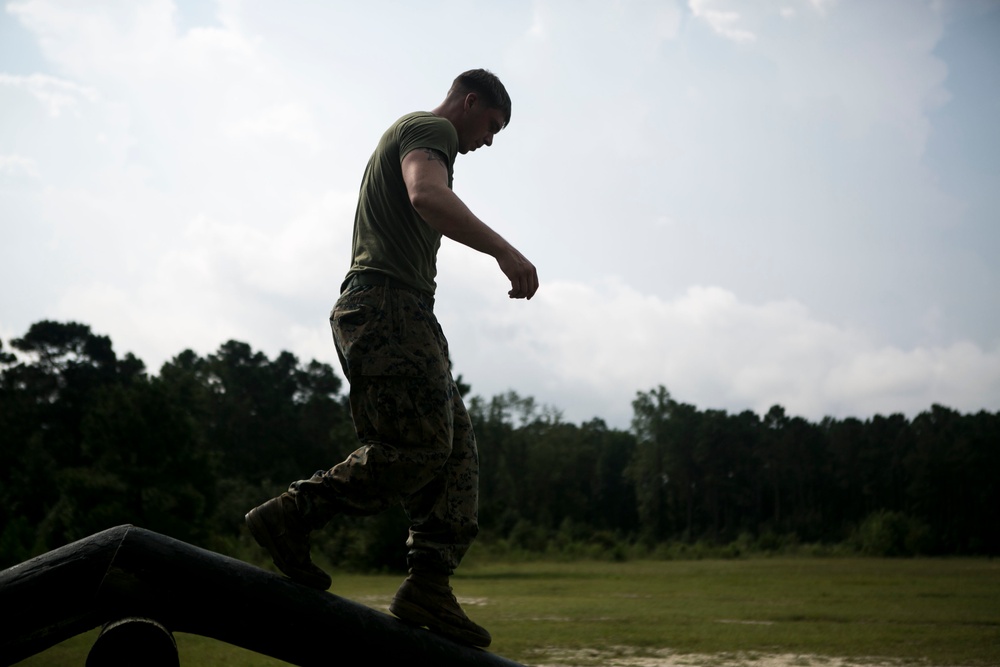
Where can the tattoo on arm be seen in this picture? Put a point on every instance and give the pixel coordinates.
(433, 155)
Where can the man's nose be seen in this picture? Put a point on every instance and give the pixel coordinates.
(489, 139)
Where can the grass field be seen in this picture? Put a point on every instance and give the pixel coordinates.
(763, 611)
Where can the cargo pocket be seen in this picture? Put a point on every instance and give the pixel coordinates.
(368, 340)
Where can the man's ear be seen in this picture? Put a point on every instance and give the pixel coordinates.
(470, 100)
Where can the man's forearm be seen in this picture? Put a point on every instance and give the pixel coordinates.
(445, 212)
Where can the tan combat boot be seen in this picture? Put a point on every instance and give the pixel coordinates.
(427, 600)
(278, 527)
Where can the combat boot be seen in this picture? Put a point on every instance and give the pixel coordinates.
(278, 526)
(427, 600)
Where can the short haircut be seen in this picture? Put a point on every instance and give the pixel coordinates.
(486, 85)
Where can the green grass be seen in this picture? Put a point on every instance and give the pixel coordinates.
(912, 612)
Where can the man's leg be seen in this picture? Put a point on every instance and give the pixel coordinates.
(414, 446)
(393, 354)
(444, 522)
(444, 514)
(376, 476)
(390, 347)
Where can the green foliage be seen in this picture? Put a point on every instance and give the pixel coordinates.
(891, 534)
(15, 539)
(90, 440)
(367, 544)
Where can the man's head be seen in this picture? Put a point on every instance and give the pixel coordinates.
(487, 87)
(478, 106)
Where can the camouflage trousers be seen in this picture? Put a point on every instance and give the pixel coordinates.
(417, 446)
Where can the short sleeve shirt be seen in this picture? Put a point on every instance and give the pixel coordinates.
(390, 237)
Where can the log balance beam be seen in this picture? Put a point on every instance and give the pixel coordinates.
(140, 578)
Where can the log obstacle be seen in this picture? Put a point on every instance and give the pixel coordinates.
(140, 584)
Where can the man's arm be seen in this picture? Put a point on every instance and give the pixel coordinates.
(426, 175)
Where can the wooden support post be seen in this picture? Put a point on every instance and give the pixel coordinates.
(131, 572)
(134, 641)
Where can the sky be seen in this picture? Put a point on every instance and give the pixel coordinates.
(751, 203)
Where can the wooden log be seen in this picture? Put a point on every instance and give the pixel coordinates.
(52, 597)
(128, 571)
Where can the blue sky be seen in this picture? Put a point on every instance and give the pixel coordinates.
(752, 203)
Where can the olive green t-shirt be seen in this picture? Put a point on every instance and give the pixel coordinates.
(390, 237)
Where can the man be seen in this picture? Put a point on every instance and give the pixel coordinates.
(417, 444)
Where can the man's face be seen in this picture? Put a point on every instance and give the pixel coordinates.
(480, 124)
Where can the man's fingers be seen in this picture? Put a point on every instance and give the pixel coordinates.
(524, 287)
(530, 284)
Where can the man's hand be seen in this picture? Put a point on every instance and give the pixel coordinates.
(521, 273)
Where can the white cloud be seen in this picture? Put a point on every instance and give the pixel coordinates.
(723, 22)
(289, 261)
(130, 39)
(225, 281)
(83, 38)
(17, 164)
(871, 66)
(56, 95)
(822, 6)
(292, 122)
(537, 29)
(898, 379)
(588, 349)
(666, 21)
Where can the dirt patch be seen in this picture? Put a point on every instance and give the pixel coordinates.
(381, 602)
(625, 656)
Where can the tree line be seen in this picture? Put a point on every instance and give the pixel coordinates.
(91, 440)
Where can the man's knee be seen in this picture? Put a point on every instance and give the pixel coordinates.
(407, 412)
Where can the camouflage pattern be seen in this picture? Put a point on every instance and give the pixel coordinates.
(417, 444)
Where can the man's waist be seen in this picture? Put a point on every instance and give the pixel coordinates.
(369, 278)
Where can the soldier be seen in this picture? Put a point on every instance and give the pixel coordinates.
(417, 446)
